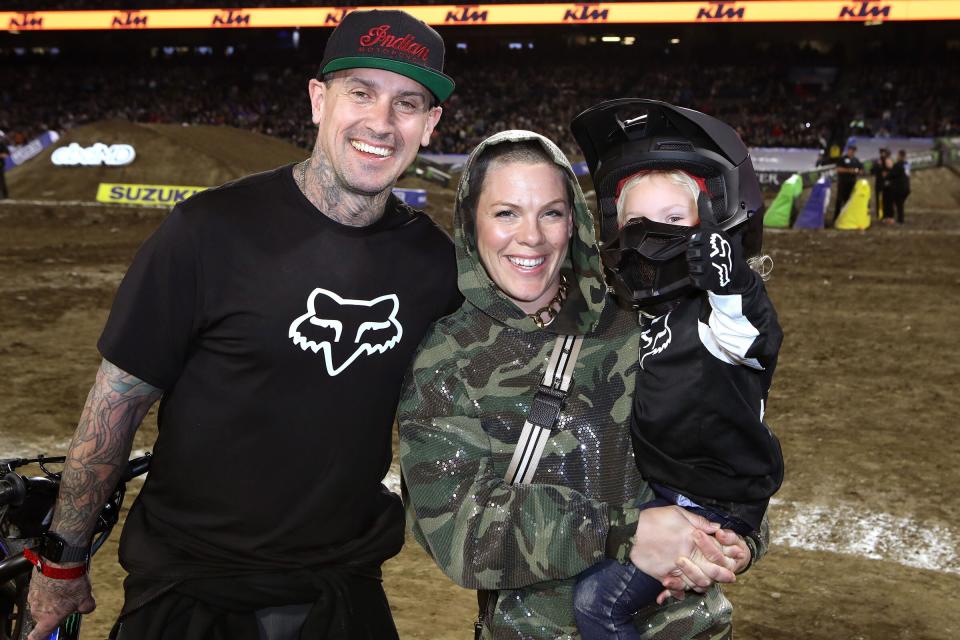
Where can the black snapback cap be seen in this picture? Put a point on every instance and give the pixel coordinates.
(392, 40)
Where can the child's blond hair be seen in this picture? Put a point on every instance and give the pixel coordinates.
(675, 176)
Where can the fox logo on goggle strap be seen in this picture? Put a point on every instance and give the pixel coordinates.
(721, 256)
(344, 329)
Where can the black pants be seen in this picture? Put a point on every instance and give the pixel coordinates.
(346, 605)
(896, 203)
(3, 184)
(844, 189)
(889, 200)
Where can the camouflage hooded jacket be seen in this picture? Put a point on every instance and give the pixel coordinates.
(461, 412)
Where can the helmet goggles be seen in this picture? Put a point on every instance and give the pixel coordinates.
(647, 261)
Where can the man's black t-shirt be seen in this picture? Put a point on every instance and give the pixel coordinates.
(280, 339)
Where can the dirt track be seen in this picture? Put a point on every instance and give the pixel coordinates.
(865, 403)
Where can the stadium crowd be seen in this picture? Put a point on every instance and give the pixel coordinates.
(770, 104)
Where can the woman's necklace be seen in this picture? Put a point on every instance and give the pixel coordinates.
(552, 308)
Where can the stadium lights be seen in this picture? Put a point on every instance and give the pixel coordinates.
(610, 39)
(629, 40)
(674, 40)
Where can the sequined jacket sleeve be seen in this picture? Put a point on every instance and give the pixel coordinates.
(459, 420)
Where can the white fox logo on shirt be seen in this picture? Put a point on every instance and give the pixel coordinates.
(345, 329)
(655, 338)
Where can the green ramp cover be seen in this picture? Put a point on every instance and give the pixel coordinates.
(780, 212)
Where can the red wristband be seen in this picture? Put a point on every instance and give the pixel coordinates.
(57, 573)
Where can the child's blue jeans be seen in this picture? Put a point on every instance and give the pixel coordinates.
(608, 594)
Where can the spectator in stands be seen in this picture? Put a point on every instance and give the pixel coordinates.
(849, 169)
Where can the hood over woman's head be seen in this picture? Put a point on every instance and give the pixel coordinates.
(512, 177)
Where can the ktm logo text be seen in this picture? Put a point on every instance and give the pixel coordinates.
(721, 11)
(25, 21)
(584, 13)
(128, 20)
(466, 14)
(334, 17)
(230, 18)
(869, 10)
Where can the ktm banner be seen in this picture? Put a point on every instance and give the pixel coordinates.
(497, 14)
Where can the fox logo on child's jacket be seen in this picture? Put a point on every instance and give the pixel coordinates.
(345, 329)
(655, 338)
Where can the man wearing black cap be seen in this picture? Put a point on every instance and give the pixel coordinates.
(849, 168)
(275, 316)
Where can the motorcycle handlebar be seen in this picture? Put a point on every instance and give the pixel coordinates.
(136, 467)
(12, 489)
(13, 566)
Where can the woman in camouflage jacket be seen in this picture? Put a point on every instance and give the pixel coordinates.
(461, 412)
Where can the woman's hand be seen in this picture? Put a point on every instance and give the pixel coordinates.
(725, 548)
(665, 535)
(686, 551)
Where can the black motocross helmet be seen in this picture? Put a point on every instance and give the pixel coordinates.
(620, 138)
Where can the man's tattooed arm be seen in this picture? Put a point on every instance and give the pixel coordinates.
(116, 405)
(98, 454)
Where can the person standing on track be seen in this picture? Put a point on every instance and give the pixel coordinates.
(849, 169)
(4, 154)
(898, 186)
(879, 171)
(275, 317)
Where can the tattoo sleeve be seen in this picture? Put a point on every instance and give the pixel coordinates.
(117, 403)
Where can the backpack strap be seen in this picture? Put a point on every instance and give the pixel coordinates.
(544, 412)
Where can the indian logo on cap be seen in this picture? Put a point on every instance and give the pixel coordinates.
(391, 40)
(380, 38)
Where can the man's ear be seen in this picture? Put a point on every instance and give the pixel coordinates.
(318, 91)
(433, 117)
